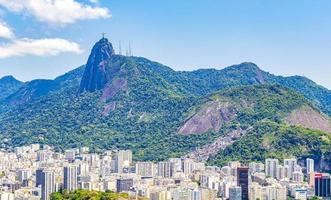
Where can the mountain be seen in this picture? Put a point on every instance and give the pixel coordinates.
(128, 102)
(249, 104)
(8, 85)
(262, 121)
(268, 139)
(31, 90)
(35, 89)
(95, 76)
(319, 95)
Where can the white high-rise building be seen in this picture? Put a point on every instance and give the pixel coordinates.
(291, 163)
(83, 169)
(195, 195)
(177, 164)
(165, 169)
(297, 177)
(7, 196)
(70, 177)
(121, 160)
(255, 167)
(235, 193)
(70, 154)
(24, 174)
(255, 191)
(272, 192)
(47, 184)
(146, 169)
(210, 181)
(287, 172)
(280, 172)
(271, 167)
(94, 160)
(309, 166)
(188, 166)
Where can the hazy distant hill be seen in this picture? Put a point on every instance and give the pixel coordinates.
(130, 102)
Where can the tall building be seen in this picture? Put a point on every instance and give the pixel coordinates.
(158, 194)
(297, 177)
(47, 184)
(83, 169)
(165, 169)
(309, 166)
(70, 154)
(242, 181)
(280, 172)
(7, 196)
(146, 169)
(39, 173)
(124, 185)
(234, 165)
(291, 163)
(209, 180)
(121, 160)
(271, 167)
(255, 191)
(256, 167)
(322, 185)
(93, 160)
(195, 195)
(24, 174)
(70, 177)
(235, 193)
(276, 192)
(188, 166)
(177, 164)
(287, 172)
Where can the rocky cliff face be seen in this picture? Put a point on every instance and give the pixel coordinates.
(210, 117)
(309, 118)
(95, 76)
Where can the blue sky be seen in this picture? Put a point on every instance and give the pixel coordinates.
(282, 37)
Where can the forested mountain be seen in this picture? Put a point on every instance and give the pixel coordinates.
(8, 85)
(128, 102)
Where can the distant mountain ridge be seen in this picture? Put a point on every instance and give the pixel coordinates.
(8, 85)
(117, 101)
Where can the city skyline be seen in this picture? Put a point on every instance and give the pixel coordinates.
(38, 172)
(165, 100)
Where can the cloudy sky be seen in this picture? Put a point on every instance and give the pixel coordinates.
(46, 38)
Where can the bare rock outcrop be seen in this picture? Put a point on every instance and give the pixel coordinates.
(210, 117)
(309, 118)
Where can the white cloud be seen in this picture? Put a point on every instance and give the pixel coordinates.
(59, 12)
(39, 47)
(5, 31)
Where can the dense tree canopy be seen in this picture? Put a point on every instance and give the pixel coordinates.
(147, 114)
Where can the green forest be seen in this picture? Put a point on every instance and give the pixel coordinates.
(155, 102)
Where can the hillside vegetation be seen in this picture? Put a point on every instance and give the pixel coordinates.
(270, 139)
(132, 103)
(91, 195)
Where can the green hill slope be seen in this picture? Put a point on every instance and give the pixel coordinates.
(278, 140)
(132, 103)
(261, 114)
